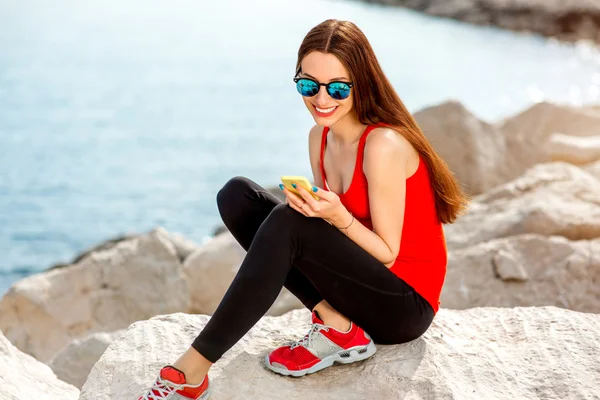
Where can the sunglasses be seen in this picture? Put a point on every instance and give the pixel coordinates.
(309, 87)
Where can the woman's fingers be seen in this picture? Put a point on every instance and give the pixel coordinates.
(293, 198)
(306, 204)
(324, 194)
(296, 202)
(301, 210)
(308, 199)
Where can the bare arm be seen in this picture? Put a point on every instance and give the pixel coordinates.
(386, 155)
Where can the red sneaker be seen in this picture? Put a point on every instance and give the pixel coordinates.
(320, 348)
(171, 384)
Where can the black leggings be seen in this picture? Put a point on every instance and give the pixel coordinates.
(314, 261)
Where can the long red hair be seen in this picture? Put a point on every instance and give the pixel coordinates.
(376, 102)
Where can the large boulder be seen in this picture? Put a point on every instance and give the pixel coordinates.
(530, 135)
(525, 270)
(74, 362)
(134, 280)
(183, 246)
(549, 199)
(527, 353)
(22, 377)
(475, 151)
(484, 155)
(212, 268)
(543, 119)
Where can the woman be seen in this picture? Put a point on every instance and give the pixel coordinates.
(368, 258)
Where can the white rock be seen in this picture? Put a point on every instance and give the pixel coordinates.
(549, 199)
(483, 155)
(574, 149)
(543, 119)
(593, 169)
(475, 151)
(22, 377)
(525, 353)
(106, 291)
(508, 267)
(525, 270)
(74, 362)
(183, 245)
(211, 270)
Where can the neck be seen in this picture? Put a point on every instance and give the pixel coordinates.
(347, 131)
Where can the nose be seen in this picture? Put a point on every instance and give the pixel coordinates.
(322, 98)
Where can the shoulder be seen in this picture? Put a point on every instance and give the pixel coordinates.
(383, 141)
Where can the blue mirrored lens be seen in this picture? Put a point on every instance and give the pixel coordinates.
(338, 90)
(306, 87)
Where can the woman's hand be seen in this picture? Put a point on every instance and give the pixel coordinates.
(328, 207)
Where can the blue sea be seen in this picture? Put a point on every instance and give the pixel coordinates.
(120, 116)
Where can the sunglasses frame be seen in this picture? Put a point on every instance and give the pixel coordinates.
(319, 84)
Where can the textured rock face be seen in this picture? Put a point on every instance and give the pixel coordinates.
(574, 149)
(567, 20)
(593, 169)
(549, 199)
(212, 268)
(533, 353)
(183, 246)
(22, 377)
(525, 270)
(483, 155)
(474, 150)
(74, 362)
(106, 291)
(543, 119)
(530, 134)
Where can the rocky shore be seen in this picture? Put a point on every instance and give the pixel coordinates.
(520, 314)
(568, 20)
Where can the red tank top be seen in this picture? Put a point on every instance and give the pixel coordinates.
(422, 259)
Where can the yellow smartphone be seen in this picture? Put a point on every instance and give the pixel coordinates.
(299, 181)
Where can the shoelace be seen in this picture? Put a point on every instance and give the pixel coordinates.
(307, 340)
(163, 388)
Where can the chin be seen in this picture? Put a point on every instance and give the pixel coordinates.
(327, 121)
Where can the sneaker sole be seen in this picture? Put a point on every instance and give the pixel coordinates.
(206, 394)
(347, 356)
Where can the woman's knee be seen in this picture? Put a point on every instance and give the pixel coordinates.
(232, 192)
(283, 217)
(283, 212)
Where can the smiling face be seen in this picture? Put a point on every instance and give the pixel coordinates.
(325, 68)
